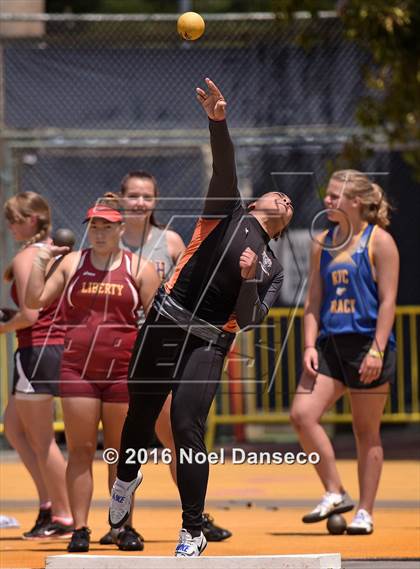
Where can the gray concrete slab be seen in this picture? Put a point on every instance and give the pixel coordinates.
(381, 564)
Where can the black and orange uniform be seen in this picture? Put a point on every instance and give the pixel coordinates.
(100, 311)
(188, 331)
(38, 355)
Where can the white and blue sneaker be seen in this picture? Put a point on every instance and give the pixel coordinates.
(189, 546)
(361, 524)
(330, 504)
(121, 497)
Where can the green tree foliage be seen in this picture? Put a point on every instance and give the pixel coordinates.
(389, 30)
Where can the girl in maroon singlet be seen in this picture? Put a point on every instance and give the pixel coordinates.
(28, 419)
(101, 289)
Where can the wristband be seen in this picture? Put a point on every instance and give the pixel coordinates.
(307, 347)
(376, 354)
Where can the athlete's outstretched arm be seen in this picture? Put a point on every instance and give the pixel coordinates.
(222, 195)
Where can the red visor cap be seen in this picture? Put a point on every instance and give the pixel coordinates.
(104, 212)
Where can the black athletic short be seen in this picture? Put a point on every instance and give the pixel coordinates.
(340, 357)
(37, 369)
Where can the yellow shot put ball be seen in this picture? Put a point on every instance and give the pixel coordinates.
(190, 26)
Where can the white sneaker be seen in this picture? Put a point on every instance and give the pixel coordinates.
(120, 504)
(8, 522)
(362, 524)
(330, 504)
(189, 546)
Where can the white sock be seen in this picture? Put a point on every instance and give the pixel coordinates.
(123, 484)
(336, 496)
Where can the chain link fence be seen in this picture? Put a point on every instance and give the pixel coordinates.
(89, 98)
(85, 99)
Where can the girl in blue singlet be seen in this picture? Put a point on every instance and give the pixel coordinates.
(349, 344)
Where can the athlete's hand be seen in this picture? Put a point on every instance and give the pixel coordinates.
(248, 264)
(47, 253)
(310, 361)
(54, 251)
(213, 101)
(370, 369)
(59, 251)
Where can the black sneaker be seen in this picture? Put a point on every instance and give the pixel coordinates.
(107, 539)
(111, 539)
(212, 532)
(57, 530)
(130, 540)
(79, 541)
(43, 520)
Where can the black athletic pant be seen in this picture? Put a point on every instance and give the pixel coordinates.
(165, 358)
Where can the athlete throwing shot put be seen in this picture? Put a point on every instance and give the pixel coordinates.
(226, 280)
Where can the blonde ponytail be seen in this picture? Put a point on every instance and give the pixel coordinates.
(375, 208)
(24, 205)
(377, 211)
